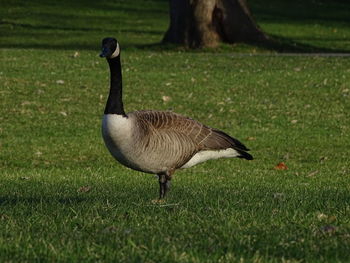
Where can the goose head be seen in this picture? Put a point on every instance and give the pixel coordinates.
(110, 48)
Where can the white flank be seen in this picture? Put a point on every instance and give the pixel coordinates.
(116, 52)
(209, 155)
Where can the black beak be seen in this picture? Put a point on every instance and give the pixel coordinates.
(105, 52)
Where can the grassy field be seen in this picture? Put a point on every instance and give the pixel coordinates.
(64, 199)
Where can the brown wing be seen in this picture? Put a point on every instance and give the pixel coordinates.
(188, 130)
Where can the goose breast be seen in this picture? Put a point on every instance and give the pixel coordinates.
(117, 135)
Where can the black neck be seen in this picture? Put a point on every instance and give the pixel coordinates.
(115, 103)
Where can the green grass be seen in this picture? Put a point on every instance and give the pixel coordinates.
(64, 199)
(320, 25)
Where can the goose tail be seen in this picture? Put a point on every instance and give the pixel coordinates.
(235, 144)
(243, 154)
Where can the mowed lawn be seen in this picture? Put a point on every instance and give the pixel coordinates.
(64, 199)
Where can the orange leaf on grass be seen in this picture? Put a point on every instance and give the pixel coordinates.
(281, 166)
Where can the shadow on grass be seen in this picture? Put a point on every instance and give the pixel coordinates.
(275, 44)
(282, 45)
(11, 200)
(47, 26)
(78, 29)
(112, 194)
(71, 41)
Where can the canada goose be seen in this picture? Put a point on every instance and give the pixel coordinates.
(158, 142)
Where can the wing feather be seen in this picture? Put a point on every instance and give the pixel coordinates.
(185, 135)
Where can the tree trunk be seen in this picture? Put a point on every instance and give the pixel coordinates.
(204, 23)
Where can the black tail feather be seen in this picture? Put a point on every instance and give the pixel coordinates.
(244, 154)
(233, 143)
(236, 144)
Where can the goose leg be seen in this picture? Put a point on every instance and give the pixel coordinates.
(164, 183)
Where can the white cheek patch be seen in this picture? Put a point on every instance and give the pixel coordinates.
(116, 52)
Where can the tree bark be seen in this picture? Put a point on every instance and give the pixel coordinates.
(204, 23)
